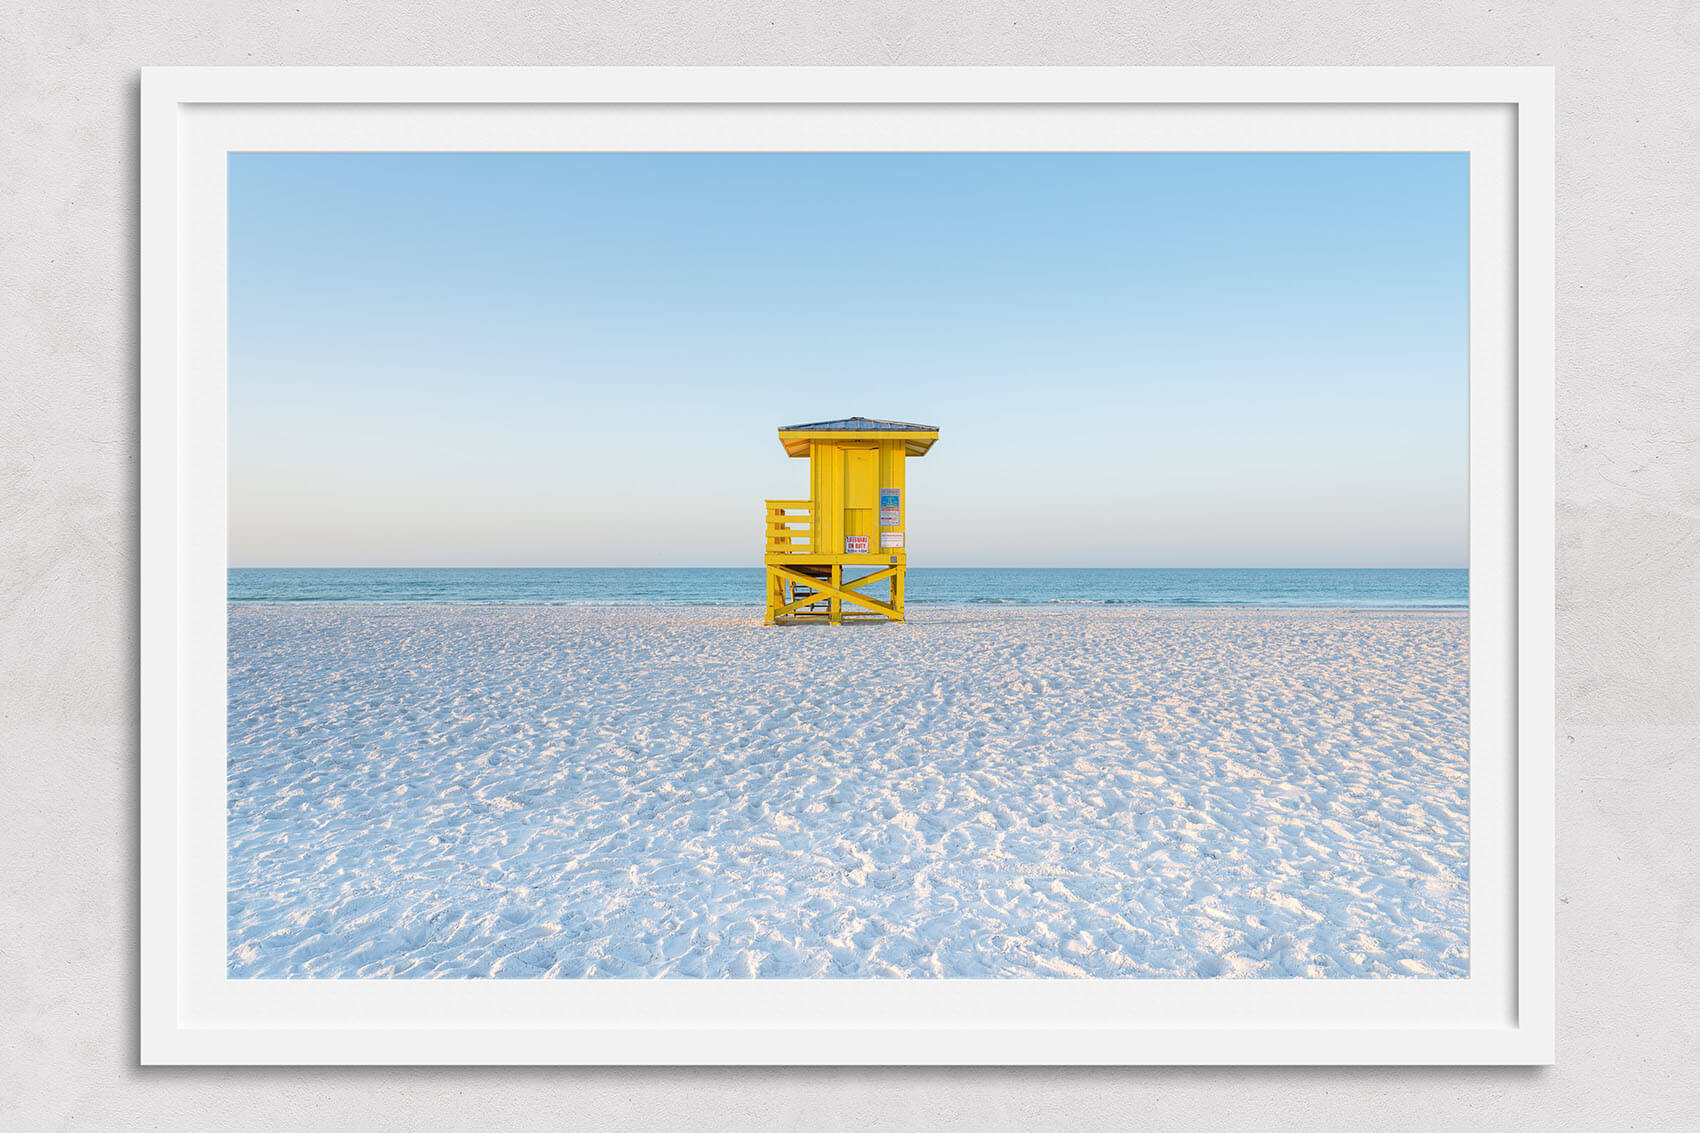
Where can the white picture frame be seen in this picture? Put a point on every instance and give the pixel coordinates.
(192, 1013)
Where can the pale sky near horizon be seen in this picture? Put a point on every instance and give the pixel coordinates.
(581, 359)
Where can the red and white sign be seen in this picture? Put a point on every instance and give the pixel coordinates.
(891, 538)
(855, 544)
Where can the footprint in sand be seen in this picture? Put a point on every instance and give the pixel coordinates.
(1210, 967)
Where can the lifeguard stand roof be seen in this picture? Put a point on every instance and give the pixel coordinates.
(917, 438)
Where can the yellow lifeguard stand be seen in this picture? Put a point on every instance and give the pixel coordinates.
(854, 517)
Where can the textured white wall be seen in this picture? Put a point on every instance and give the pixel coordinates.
(1629, 557)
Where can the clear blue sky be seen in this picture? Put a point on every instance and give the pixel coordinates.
(581, 359)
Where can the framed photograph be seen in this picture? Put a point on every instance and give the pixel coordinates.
(1148, 656)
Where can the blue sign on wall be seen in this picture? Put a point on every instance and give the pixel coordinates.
(888, 497)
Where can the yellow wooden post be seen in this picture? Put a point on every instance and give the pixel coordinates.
(856, 515)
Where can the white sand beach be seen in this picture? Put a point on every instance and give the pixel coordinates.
(547, 791)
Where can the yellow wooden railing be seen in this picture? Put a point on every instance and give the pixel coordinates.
(790, 527)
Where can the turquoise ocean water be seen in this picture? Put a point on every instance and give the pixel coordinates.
(742, 586)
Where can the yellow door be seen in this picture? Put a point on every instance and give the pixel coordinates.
(861, 499)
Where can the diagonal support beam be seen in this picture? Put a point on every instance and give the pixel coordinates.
(870, 603)
(793, 607)
(877, 576)
(820, 587)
